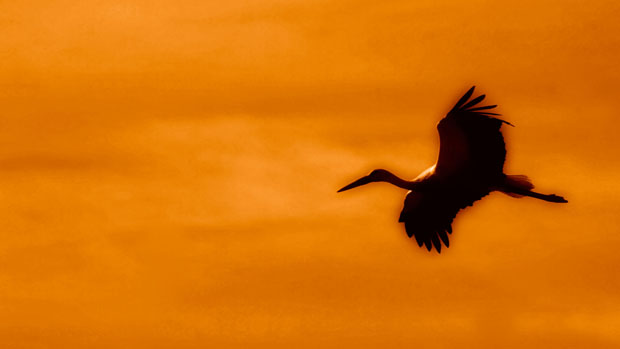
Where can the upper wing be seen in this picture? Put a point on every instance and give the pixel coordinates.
(428, 216)
(470, 140)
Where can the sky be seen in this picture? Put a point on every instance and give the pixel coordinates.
(168, 174)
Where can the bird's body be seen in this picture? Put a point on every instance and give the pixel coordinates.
(469, 167)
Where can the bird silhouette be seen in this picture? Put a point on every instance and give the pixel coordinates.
(469, 167)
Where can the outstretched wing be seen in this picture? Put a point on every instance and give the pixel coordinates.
(428, 216)
(470, 140)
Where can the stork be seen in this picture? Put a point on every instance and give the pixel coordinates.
(469, 167)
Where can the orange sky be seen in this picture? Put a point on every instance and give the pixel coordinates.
(168, 174)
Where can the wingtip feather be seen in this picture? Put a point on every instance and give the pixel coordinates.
(483, 108)
(436, 242)
(429, 245)
(444, 237)
(464, 99)
(473, 102)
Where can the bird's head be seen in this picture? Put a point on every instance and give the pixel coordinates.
(378, 175)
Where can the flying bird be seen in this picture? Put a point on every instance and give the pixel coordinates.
(469, 167)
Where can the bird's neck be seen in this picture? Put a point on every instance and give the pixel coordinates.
(399, 182)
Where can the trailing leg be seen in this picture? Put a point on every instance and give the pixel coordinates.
(519, 185)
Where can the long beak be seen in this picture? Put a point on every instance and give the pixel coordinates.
(357, 183)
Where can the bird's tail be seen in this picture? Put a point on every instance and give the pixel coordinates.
(519, 185)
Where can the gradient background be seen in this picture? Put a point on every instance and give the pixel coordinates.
(168, 174)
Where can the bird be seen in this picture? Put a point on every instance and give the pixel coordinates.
(469, 167)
